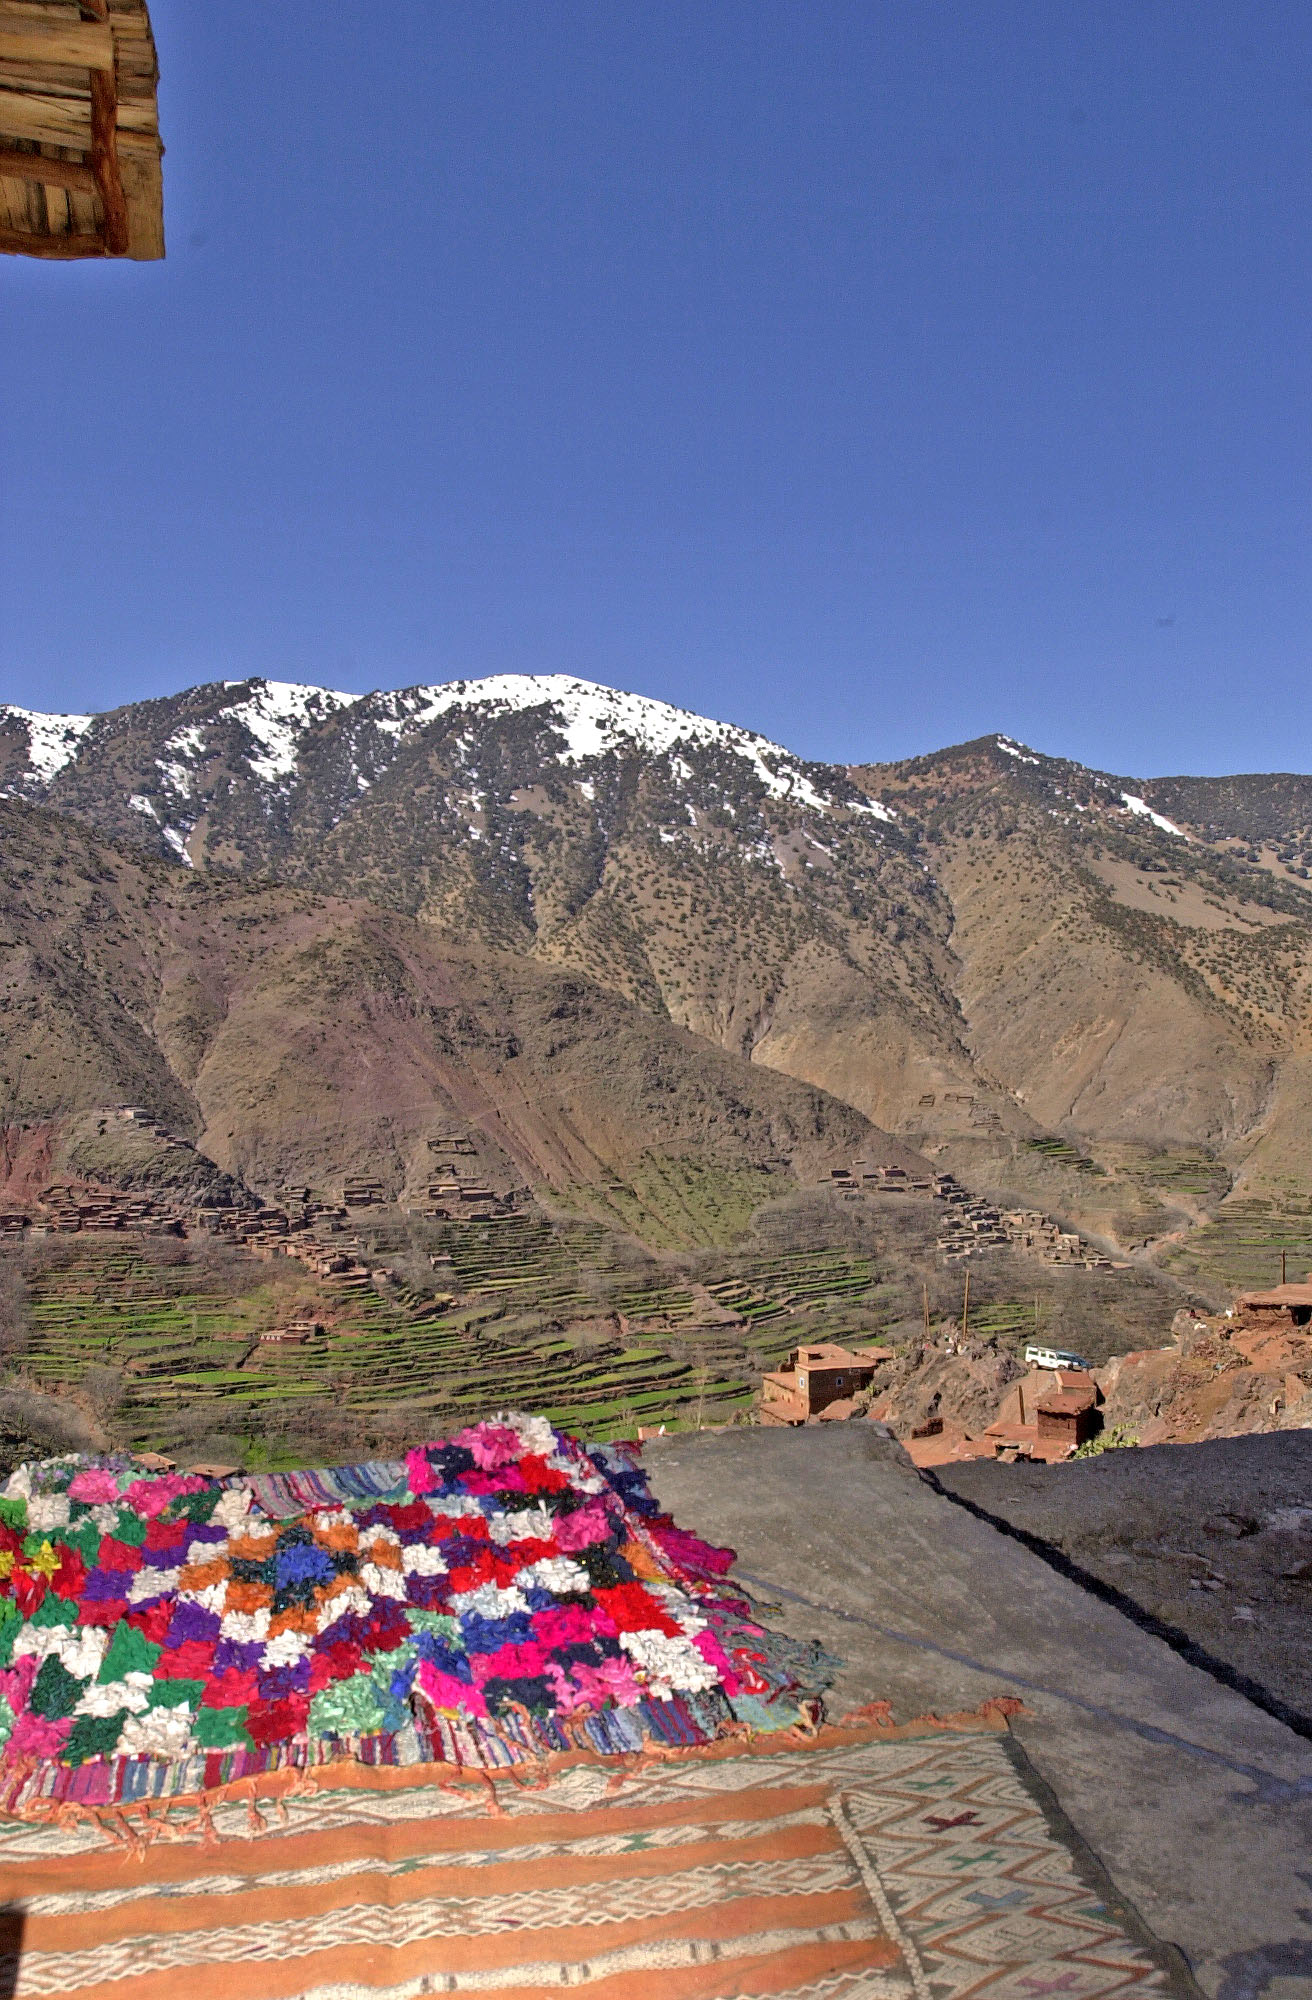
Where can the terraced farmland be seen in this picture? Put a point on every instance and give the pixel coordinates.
(1064, 1155)
(1241, 1247)
(398, 1362)
(671, 1203)
(1175, 1172)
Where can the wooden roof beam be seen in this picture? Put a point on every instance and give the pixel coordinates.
(68, 44)
(104, 162)
(18, 243)
(71, 174)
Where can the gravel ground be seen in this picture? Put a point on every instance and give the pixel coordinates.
(1209, 1545)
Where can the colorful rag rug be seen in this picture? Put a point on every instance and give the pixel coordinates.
(869, 1864)
(486, 1601)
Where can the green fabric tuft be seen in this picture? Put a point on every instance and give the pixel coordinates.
(55, 1693)
(84, 1536)
(436, 1621)
(11, 1623)
(175, 1694)
(130, 1652)
(386, 1664)
(351, 1708)
(222, 1729)
(131, 1527)
(93, 1736)
(13, 1514)
(53, 1610)
(7, 1720)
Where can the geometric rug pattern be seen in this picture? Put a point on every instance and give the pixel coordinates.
(862, 1865)
(986, 1900)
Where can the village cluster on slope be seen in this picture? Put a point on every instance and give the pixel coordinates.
(308, 1228)
(973, 1225)
(953, 1397)
(1247, 1370)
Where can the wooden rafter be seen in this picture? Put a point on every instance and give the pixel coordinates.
(104, 162)
(40, 167)
(21, 243)
(69, 45)
(104, 139)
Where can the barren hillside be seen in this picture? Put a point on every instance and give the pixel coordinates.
(1080, 988)
(299, 1037)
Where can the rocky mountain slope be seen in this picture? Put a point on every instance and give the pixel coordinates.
(300, 1037)
(697, 869)
(976, 949)
(1129, 979)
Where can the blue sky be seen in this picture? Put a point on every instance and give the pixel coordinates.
(874, 375)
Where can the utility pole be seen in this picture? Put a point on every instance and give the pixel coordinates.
(965, 1310)
(924, 1294)
(1282, 1267)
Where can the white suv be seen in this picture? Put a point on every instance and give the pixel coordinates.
(1052, 1357)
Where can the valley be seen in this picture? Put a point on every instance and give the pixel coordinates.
(667, 981)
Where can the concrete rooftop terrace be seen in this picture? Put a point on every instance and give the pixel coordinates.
(1196, 1803)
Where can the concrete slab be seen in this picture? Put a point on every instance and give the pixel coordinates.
(1197, 1804)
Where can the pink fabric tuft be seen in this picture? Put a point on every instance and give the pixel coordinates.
(419, 1472)
(93, 1486)
(446, 1692)
(492, 1445)
(583, 1527)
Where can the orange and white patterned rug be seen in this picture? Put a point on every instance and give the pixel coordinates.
(866, 1864)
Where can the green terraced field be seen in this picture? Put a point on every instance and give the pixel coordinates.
(411, 1360)
(1013, 1321)
(1241, 1247)
(1178, 1171)
(1063, 1155)
(672, 1203)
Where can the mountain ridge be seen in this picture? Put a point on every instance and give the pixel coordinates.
(297, 1038)
(973, 948)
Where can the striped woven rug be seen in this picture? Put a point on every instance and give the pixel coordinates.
(868, 1864)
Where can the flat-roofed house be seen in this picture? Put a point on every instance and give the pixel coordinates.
(1045, 1416)
(1068, 1415)
(816, 1379)
(1283, 1305)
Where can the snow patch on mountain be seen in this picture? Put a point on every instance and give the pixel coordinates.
(52, 740)
(279, 714)
(172, 767)
(598, 721)
(1142, 810)
(1010, 749)
(876, 808)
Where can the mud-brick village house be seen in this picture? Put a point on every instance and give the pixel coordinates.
(818, 1381)
(1045, 1416)
(1067, 1417)
(1283, 1307)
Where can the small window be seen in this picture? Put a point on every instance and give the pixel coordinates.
(838, 1381)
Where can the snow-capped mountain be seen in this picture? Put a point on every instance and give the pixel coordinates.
(913, 937)
(694, 865)
(265, 740)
